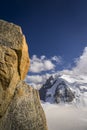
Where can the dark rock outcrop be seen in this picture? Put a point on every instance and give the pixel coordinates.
(63, 93)
(56, 90)
(20, 107)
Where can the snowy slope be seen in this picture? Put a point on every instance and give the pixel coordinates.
(65, 88)
(78, 84)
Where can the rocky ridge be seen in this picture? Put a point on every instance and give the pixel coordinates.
(56, 90)
(20, 107)
(66, 89)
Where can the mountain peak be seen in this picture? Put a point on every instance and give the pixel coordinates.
(64, 88)
(56, 90)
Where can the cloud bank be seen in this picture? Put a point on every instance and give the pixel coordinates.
(43, 64)
(81, 64)
(37, 80)
(65, 117)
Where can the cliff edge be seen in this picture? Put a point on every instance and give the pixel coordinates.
(20, 107)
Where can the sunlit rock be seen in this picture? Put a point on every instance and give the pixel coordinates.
(20, 107)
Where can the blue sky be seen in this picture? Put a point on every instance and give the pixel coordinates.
(53, 28)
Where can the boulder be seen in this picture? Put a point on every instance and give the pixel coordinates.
(20, 107)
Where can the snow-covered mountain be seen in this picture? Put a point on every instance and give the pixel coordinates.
(65, 88)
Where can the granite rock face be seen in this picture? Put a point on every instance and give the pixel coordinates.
(25, 111)
(11, 36)
(20, 107)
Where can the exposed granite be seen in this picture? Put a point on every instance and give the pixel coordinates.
(20, 107)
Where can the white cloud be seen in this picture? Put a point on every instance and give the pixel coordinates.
(60, 117)
(43, 64)
(43, 57)
(81, 64)
(37, 80)
(77, 73)
(58, 59)
(39, 65)
(48, 65)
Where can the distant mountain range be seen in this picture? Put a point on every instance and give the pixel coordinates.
(64, 89)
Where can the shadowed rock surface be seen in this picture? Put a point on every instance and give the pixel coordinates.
(56, 90)
(20, 107)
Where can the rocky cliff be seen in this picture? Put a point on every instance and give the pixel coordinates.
(56, 90)
(20, 107)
